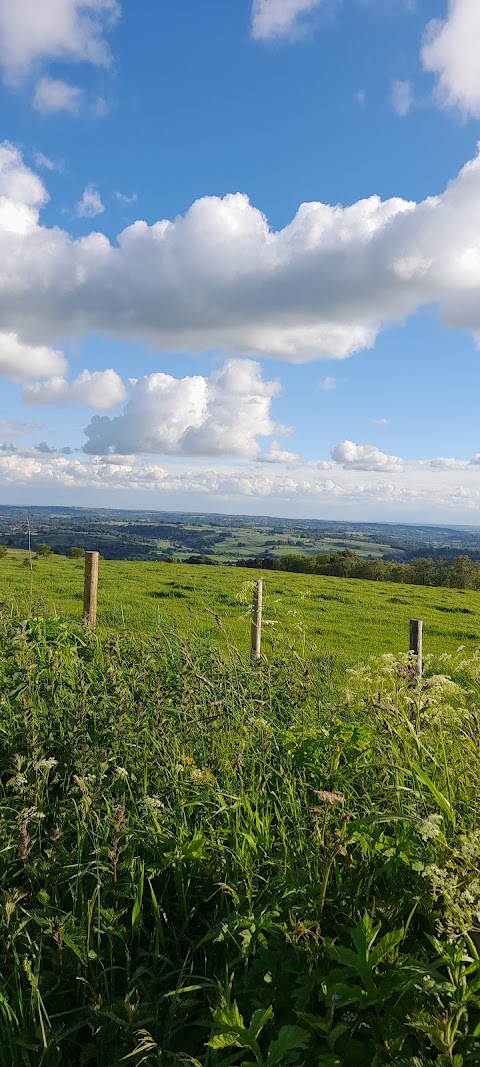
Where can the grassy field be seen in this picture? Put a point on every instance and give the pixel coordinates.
(245, 543)
(349, 619)
(205, 863)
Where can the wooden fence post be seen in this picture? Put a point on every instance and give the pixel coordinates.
(416, 646)
(256, 633)
(90, 589)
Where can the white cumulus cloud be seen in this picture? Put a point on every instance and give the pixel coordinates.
(33, 32)
(447, 463)
(22, 193)
(20, 361)
(220, 277)
(276, 454)
(327, 384)
(451, 52)
(91, 203)
(102, 390)
(220, 415)
(365, 458)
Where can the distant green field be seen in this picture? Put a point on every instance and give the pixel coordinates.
(243, 543)
(311, 614)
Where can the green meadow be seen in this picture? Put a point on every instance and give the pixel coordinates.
(311, 614)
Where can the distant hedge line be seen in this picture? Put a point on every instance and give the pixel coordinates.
(460, 573)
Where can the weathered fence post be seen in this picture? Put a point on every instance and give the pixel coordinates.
(90, 589)
(416, 646)
(256, 638)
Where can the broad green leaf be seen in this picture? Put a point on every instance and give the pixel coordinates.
(385, 945)
(232, 1030)
(226, 1040)
(259, 1019)
(228, 1017)
(346, 956)
(364, 935)
(286, 1048)
(348, 994)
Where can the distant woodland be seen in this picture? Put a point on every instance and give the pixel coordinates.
(459, 573)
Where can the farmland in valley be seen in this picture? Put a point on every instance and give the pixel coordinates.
(150, 535)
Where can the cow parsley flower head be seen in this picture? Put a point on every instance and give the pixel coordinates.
(430, 827)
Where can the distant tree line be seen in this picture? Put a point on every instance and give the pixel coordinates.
(459, 573)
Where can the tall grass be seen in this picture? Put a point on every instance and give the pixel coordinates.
(205, 862)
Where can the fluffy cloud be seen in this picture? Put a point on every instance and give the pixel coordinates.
(91, 203)
(32, 32)
(279, 18)
(450, 51)
(327, 384)
(365, 458)
(276, 454)
(45, 448)
(95, 389)
(53, 94)
(216, 416)
(401, 97)
(19, 361)
(324, 286)
(448, 463)
(22, 193)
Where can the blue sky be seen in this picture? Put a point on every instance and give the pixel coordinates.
(240, 248)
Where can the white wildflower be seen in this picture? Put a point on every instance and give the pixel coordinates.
(153, 804)
(202, 776)
(430, 827)
(47, 764)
